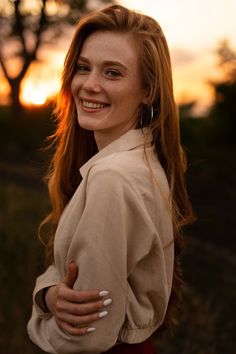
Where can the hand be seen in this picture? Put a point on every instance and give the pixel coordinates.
(74, 311)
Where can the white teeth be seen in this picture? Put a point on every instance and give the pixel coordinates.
(93, 105)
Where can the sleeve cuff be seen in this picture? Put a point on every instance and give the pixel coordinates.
(49, 278)
(39, 300)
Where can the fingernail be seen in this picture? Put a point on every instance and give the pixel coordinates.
(107, 302)
(103, 314)
(90, 329)
(103, 293)
(71, 261)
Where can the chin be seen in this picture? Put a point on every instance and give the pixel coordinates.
(91, 124)
(86, 125)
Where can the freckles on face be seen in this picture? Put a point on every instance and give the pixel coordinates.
(107, 87)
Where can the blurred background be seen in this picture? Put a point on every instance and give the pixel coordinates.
(34, 38)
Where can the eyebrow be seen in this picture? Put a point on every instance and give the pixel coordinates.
(106, 62)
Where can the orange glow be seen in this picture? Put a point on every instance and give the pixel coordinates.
(32, 95)
(4, 91)
(42, 82)
(38, 92)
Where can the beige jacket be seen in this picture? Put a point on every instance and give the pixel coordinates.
(118, 229)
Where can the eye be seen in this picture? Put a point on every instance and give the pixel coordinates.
(83, 68)
(113, 73)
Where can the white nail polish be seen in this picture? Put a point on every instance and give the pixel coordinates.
(107, 302)
(90, 329)
(103, 314)
(103, 293)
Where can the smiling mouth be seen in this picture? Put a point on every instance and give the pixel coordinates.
(93, 105)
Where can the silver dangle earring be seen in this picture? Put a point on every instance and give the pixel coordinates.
(152, 114)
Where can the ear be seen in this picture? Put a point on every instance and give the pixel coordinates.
(146, 98)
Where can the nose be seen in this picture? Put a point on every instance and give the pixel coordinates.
(92, 82)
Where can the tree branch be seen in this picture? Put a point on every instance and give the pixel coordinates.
(4, 69)
(20, 28)
(41, 26)
(29, 57)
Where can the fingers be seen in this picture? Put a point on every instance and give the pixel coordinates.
(72, 295)
(71, 274)
(80, 321)
(74, 311)
(75, 331)
(76, 318)
(78, 325)
(82, 308)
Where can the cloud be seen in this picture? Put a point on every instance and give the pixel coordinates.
(182, 56)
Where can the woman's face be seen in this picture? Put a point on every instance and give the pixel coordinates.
(107, 87)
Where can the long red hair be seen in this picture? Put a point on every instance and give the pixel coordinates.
(75, 146)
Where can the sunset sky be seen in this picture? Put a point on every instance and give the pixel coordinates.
(193, 29)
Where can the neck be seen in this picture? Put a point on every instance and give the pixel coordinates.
(104, 138)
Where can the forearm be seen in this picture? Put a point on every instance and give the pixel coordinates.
(45, 333)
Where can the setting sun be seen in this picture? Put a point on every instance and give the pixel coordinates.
(39, 89)
(32, 96)
(41, 83)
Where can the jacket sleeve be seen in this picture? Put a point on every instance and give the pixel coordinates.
(49, 278)
(107, 244)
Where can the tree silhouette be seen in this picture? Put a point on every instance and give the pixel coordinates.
(25, 28)
(223, 110)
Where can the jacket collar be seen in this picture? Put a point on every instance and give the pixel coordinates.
(130, 140)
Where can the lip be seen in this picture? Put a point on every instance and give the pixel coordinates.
(93, 109)
(92, 100)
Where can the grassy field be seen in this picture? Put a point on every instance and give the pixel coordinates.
(208, 321)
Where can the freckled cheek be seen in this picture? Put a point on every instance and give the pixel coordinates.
(75, 86)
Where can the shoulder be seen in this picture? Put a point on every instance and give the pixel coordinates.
(123, 166)
(110, 181)
(133, 169)
(113, 169)
(128, 162)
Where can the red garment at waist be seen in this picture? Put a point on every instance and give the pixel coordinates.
(139, 348)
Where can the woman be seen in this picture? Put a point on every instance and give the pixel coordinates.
(117, 192)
